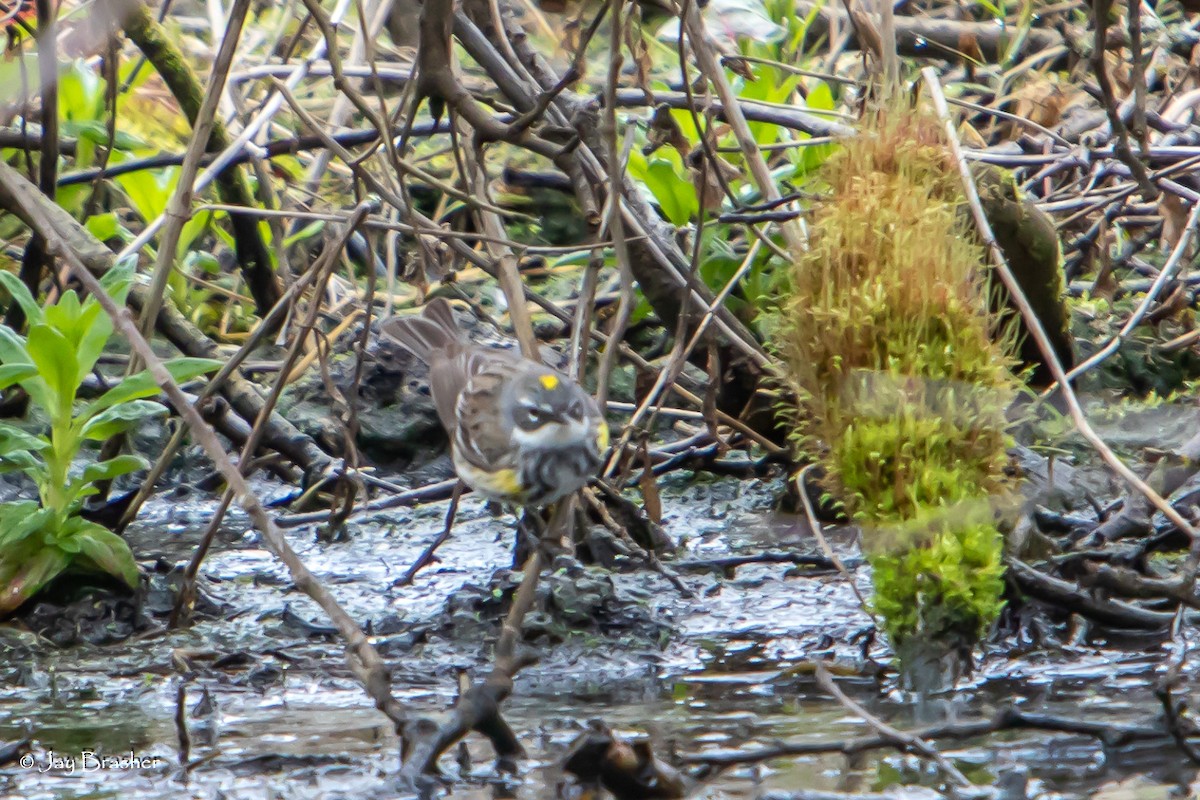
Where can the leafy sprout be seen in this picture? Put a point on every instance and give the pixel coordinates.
(39, 539)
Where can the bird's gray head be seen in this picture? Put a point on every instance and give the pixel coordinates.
(545, 398)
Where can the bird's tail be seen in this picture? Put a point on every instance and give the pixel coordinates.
(434, 331)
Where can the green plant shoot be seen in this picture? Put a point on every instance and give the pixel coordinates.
(39, 539)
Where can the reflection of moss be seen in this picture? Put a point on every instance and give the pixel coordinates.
(904, 377)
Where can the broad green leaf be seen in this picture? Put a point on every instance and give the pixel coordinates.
(193, 229)
(68, 544)
(148, 190)
(81, 93)
(225, 236)
(107, 551)
(120, 418)
(21, 579)
(142, 385)
(14, 438)
(197, 261)
(96, 132)
(12, 347)
(19, 520)
(106, 226)
(309, 230)
(15, 373)
(22, 461)
(97, 329)
(20, 293)
(55, 360)
(112, 468)
(118, 280)
(820, 97)
(664, 176)
(63, 316)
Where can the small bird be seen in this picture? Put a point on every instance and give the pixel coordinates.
(520, 432)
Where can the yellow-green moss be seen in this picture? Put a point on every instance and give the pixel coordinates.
(903, 375)
(940, 578)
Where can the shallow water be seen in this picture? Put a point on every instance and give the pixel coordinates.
(281, 717)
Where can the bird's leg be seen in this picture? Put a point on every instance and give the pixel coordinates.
(557, 539)
(563, 523)
(529, 532)
(549, 530)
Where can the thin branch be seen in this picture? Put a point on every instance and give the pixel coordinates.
(905, 741)
(15, 196)
(1034, 325)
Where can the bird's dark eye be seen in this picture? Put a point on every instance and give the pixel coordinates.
(530, 416)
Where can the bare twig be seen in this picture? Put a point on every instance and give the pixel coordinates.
(905, 741)
(1100, 13)
(1112, 734)
(369, 667)
(1034, 325)
(428, 554)
(179, 207)
(323, 269)
(814, 525)
(794, 232)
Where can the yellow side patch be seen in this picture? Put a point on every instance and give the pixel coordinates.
(505, 482)
(502, 484)
(602, 436)
(549, 381)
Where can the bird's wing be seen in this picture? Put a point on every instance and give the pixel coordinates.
(484, 434)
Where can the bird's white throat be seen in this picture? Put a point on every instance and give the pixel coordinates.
(555, 434)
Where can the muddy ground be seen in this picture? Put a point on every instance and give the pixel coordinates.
(272, 711)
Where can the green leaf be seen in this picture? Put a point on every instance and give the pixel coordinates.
(105, 550)
(118, 280)
(120, 418)
(192, 230)
(97, 329)
(666, 179)
(81, 93)
(201, 262)
(14, 438)
(148, 190)
(308, 231)
(15, 373)
(20, 519)
(63, 317)
(55, 358)
(820, 97)
(20, 293)
(12, 347)
(112, 468)
(21, 577)
(22, 461)
(106, 226)
(142, 385)
(96, 132)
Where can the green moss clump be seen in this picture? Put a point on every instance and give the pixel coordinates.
(951, 567)
(904, 376)
(1029, 240)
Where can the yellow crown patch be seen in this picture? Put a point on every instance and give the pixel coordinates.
(549, 381)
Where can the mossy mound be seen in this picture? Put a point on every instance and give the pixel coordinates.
(1030, 244)
(904, 377)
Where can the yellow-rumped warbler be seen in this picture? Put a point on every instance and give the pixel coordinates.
(520, 431)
